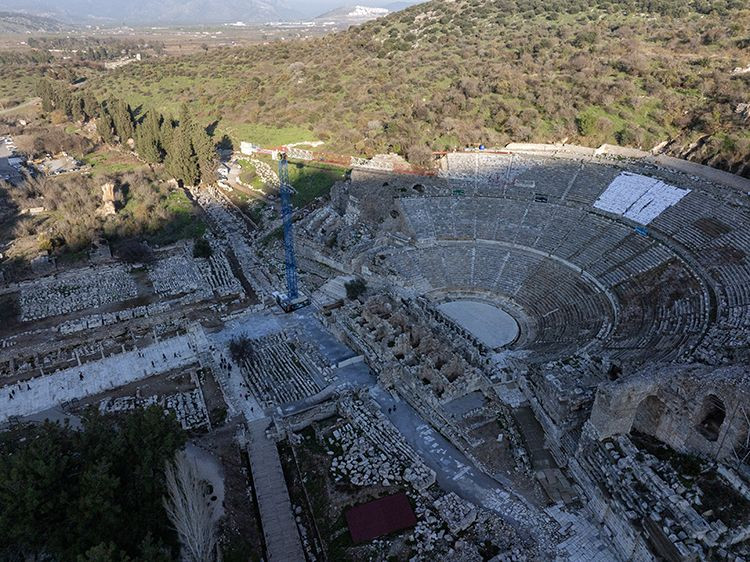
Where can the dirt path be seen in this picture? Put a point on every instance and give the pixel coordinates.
(32, 101)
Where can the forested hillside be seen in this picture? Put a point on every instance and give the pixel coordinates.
(15, 22)
(446, 74)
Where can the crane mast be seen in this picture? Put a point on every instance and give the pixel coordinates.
(290, 261)
(292, 300)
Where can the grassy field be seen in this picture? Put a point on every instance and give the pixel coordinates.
(312, 181)
(264, 135)
(184, 223)
(21, 68)
(17, 86)
(250, 177)
(106, 161)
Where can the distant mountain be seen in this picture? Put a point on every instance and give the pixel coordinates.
(157, 12)
(354, 14)
(16, 22)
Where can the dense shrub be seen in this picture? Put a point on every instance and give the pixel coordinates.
(355, 288)
(94, 493)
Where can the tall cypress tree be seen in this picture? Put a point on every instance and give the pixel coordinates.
(181, 161)
(122, 118)
(104, 126)
(166, 132)
(90, 106)
(205, 152)
(148, 138)
(62, 98)
(203, 145)
(44, 91)
(77, 111)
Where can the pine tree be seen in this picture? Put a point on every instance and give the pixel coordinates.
(147, 138)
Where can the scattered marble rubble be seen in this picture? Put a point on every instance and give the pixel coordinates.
(367, 418)
(75, 290)
(457, 513)
(361, 463)
(266, 174)
(176, 275)
(188, 407)
(109, 318)
(367, 451)
(216, 270)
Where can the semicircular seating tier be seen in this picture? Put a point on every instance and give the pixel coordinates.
(705, 223)
(578, 276)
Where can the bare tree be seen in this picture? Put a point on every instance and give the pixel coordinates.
(190, 510)
(241, 349)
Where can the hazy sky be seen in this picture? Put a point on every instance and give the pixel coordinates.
(120, 11)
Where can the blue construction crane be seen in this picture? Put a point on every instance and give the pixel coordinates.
(292, 300)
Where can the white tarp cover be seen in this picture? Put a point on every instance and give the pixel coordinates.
(639, 198)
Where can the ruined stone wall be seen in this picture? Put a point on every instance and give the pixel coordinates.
(627, 541)
(561, 394)
(694, 409)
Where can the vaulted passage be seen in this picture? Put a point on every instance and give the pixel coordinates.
(713, 413)
(648, 415)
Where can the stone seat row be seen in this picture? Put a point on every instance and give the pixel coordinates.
(277, 376)
(584, 239)
(562, 305)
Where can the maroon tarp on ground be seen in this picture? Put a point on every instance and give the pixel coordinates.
(380, 517)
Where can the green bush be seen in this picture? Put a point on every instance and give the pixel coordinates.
(586, 124)
(355, 288)
(202, 249)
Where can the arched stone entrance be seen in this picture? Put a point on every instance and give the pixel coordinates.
(648, 415)
(711, 417)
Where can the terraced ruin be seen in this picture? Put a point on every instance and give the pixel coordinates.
(614, 269)
(547, 354)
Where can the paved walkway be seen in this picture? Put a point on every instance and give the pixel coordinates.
(47, 391)
(279, 528)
